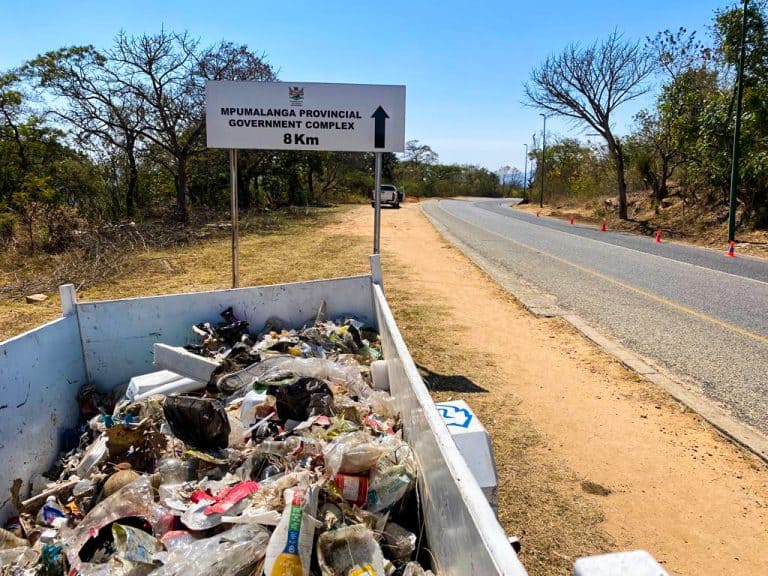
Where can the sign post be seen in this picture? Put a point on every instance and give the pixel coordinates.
(304, 116)
(377, 202)
(233, 208)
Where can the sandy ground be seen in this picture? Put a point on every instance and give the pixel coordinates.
(662, 478)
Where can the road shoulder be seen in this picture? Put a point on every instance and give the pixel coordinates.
(662, 479)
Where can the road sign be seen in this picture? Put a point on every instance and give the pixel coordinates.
(305, 116)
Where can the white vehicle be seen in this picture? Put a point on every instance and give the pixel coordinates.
(389, 194)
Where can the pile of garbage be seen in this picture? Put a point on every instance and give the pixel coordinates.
(286, 461)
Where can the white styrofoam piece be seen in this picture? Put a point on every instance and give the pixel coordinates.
(174, 387)
(181, 361)
(380, 375)
(40, 374)
(473, 442)
(635, 563)
(146, 382)
(465, 536)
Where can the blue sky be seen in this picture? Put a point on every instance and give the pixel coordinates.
(464, 63)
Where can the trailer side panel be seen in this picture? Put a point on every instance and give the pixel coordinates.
(40, 374)
(464, 534)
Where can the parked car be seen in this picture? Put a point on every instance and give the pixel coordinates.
(389, 194)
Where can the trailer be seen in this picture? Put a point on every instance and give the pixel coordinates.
(105, 343)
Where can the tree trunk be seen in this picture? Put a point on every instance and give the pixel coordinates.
(133, 184)
(662, 191)
(310, 183)
(618, 157)
(243, 190)
(180, 182)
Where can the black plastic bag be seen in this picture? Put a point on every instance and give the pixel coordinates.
(199, 422)
(302, 399)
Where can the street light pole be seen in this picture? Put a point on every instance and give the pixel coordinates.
(737, 130)
(543, 161)
(525, 173)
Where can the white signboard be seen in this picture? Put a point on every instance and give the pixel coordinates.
(305, 116)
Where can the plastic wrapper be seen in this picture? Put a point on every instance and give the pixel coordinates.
(352, 453)
(399, 543)
(415, 569)
(95, 454)
(134, 546)
(235, 552)
(350, 551)
(136, 499)
(388, 487)
(290, 548)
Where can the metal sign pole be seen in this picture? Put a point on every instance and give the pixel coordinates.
(233, 199)
(377, 203)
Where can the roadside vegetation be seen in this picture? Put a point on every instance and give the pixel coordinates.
(102, 151)
(677, 158)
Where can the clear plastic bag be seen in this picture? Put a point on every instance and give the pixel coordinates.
(136, 499)
(352, 453)
(399, 543)
(236, 551)
(349, 551)
(286, 369)
(415, 569)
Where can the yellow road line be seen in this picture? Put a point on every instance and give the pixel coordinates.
(651, 295)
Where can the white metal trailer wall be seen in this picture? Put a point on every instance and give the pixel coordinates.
(464, 535)
(40, 374)
(118, 334)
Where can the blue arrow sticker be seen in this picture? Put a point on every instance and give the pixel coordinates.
(454, 416)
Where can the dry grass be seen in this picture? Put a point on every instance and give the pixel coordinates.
(273, 249)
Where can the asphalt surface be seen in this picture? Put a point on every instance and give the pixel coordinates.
(692, 310)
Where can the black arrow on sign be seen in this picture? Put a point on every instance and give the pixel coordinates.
(379, 127)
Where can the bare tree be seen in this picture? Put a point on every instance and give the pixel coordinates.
(588, 84)
(167, 73)
(99, 106)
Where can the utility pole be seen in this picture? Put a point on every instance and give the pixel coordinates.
(737, 130)
(525, 173)
(543, 156)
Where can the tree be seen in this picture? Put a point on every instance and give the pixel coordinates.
(588, 85)
(419, 154)
(99, 106)
(166, 72)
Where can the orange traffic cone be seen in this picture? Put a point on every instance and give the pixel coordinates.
(572, 219)
(658, 236)
(731, 250)
(603, 228)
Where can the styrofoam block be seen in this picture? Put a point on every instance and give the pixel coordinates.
(178, 360)
(635, 563)
(474, 444)
(146, 382)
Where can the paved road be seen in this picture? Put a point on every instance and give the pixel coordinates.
(693, 310)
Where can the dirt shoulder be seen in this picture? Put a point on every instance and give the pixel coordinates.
(590, 456)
